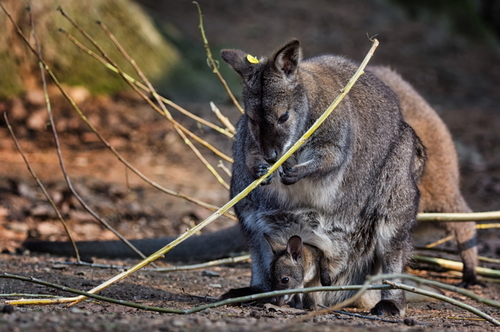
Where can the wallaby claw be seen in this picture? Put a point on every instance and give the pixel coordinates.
(262, 170)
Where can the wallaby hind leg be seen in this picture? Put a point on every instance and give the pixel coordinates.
(393, 301)
(465, 234)
(466, 238)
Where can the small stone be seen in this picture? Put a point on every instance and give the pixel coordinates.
(177, 322)
(35, 97)
(17, 110)
(37, 120)
(410, 321)
(208, 273)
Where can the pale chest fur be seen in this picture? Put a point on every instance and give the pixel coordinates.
(307, 193)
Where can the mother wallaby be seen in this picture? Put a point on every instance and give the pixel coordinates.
(361, 167)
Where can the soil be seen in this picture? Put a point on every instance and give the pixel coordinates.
(460, 78)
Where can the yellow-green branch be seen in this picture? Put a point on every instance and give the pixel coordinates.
(245, 192)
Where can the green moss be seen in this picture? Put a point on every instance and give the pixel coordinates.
(132, 29)
(10, 82)
(124, 18)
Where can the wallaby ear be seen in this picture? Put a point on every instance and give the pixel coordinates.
(238, 61)
(294, 247)
(287, 59)
(275, 246)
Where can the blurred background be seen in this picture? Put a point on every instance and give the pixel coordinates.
(448, 49)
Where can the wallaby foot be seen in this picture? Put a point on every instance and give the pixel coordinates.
(386, 308)
(470, 279)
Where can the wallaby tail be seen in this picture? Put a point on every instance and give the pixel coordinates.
(203, 247)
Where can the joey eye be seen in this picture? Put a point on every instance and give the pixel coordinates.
(283, 117)
(252, 121)
(285, 280)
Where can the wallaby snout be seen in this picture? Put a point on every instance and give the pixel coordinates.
(271, 157)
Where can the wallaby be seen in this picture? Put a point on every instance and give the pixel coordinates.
(360, 168)
(298, 265)
(440, 183)
(302, 265)
(439, 187)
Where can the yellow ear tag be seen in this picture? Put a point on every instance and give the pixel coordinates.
(251, 59)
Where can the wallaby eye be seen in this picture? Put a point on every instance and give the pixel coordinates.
(285, 280)
(252, 121)
(284, 117)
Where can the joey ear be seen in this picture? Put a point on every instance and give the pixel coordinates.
(238, 61)
(294, 247)
(287, 59)
(275, 246)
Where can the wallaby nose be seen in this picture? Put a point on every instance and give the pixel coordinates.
(272, 157)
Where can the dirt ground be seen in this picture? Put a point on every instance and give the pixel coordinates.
(459, 78)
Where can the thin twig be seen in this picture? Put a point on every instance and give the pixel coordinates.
(224, 168)
(40, 184)
(445, 299)
(371, 318)
(223, 119)
(487, 226)
(212, 62)
(229, 260)
(92, 265)
(143, 87)
(454, 265)
(361, 290)
(464, 217)
(441, 285)
(449, 251)
(59, 300)
(26, 295)
(441, 241)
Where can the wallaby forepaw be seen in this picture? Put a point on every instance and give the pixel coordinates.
(385, 308)
(289, 175)
(262, 170)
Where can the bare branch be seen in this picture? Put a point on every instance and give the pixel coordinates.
(39, 183)
(212, 62)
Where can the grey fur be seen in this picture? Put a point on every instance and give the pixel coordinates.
(360, 168)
